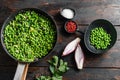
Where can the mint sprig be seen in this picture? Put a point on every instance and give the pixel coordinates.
(57, 68)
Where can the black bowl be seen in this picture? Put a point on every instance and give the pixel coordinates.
(108, 27)
(70, 9)
(74, 29)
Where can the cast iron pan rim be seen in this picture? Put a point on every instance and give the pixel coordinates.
(99, 52)
(11, 17)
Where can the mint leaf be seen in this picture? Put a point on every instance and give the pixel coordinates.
(57, 78)
(55, 63)
(52, 69)
(63, 66)
(57, 68)
(61, 62)
(44, 78)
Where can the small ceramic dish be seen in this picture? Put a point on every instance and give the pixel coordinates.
(67, 13)
(70, 26)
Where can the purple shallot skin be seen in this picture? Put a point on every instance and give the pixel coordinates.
(79, 57)
(71, 47)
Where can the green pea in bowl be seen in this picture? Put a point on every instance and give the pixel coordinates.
(100, 36)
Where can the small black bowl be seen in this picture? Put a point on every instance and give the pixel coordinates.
(108, 27)
(65, 12)
(74, 29)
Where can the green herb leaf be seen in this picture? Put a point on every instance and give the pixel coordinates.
(57, 78)
(63, 67)
(52, 69)
(55, 63)
(57, 67)
(44, 78)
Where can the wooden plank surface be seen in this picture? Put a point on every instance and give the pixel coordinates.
(86, 10)
(7, 73)
(96, 67)
(109, 59)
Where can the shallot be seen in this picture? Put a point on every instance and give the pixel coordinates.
(79, 57)
(71, 47)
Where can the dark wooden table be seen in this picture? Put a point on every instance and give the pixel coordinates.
(96, 67)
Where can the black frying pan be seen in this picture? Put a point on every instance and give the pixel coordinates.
(22, 66)
(106, 25)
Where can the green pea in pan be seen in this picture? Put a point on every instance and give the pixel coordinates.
(108, 27)
(29, 42)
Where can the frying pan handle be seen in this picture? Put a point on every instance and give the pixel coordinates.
(25, 72)
(21, 71)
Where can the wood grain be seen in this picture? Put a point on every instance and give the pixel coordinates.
(7, 73)
(85, 74)
(96, 67)
(109, 59)
(86, 10)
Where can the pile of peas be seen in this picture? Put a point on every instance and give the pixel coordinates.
(29, 36)
(99, 38)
